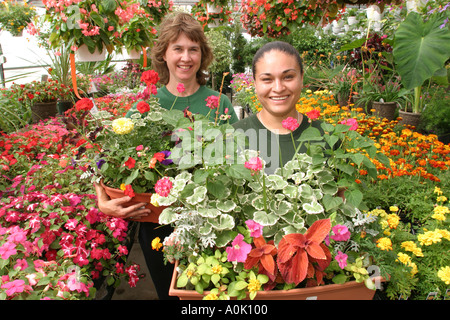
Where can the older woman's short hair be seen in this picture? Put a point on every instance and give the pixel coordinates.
(170, 29)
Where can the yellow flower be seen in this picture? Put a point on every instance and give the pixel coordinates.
(438, 191)
(414, 269)
(122, 187)
(441, 210)
(156, 244)
(216, 269)
(393, 208)
(438, 216)
(211, 296)
(393, 220)
(254, 285)
(154, 199)
(122, 125)
(441, 199)
(384, 244)
(404, 258)
(444, 274)
(429, 237)
(444, 233)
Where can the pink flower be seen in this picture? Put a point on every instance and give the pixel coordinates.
(163, 187)
(290, 123)
(22, 264)
(353, 123)
(212, 102)
(16, 286)
(71, 224)
(239, 250)
(139, 147)
(180, 88)
(341, 233)
(255, 228)
(254, 164)
(341, 258)
(313, 114)
(8, 249)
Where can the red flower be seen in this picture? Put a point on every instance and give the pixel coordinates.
(150, 77)
(143, 107)
(313, 114)
(130, 163)
(84, 104)
(129, 191)
(262, 255)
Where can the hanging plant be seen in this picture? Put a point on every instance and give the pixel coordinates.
(210, 13)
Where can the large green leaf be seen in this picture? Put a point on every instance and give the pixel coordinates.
(420, 48)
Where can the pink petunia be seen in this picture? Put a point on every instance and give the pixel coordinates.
(239, 250)
(290, 123)
(353, 123)
(341, 258)
(255, 228)
(341, 233)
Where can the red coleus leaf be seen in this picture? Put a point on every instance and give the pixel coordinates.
(263, 254)
(296, 250)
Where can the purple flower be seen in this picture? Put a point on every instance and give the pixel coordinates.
(100, 163)
(239, 250)
(166, 161)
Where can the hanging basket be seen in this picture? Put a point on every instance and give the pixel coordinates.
(84, 55)
(132, 54)
(114, 193)
(42, 110)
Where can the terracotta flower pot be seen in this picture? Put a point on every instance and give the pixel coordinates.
(114, 193)
(348, 291)
(385, 109)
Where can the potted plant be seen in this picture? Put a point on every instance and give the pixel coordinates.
(421, 47)
(15, 16)
(235, 226)
(127, 155)
(41, 97)
(88, 28)
(212, 13)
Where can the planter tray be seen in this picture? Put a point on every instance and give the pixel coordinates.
(347, 291)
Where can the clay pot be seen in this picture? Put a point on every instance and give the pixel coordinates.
(114, 193)
(348, 291)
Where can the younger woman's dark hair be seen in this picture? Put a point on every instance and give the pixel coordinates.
(279, 46)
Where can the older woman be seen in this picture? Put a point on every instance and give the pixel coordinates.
(180, 56)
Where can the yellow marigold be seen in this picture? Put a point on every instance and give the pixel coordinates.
(156, 244)
(122, 125)
(438, 216)
(254, 285)
(429, 237)
(412, 247)
(211, 296)
(441, 210)
(384, 244)
(438, 191)
(393, 220)
(414, 269)
(441, 199)
(403, 258)
(444, 233)
(444, 274)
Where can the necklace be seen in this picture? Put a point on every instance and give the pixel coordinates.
(258, 115)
